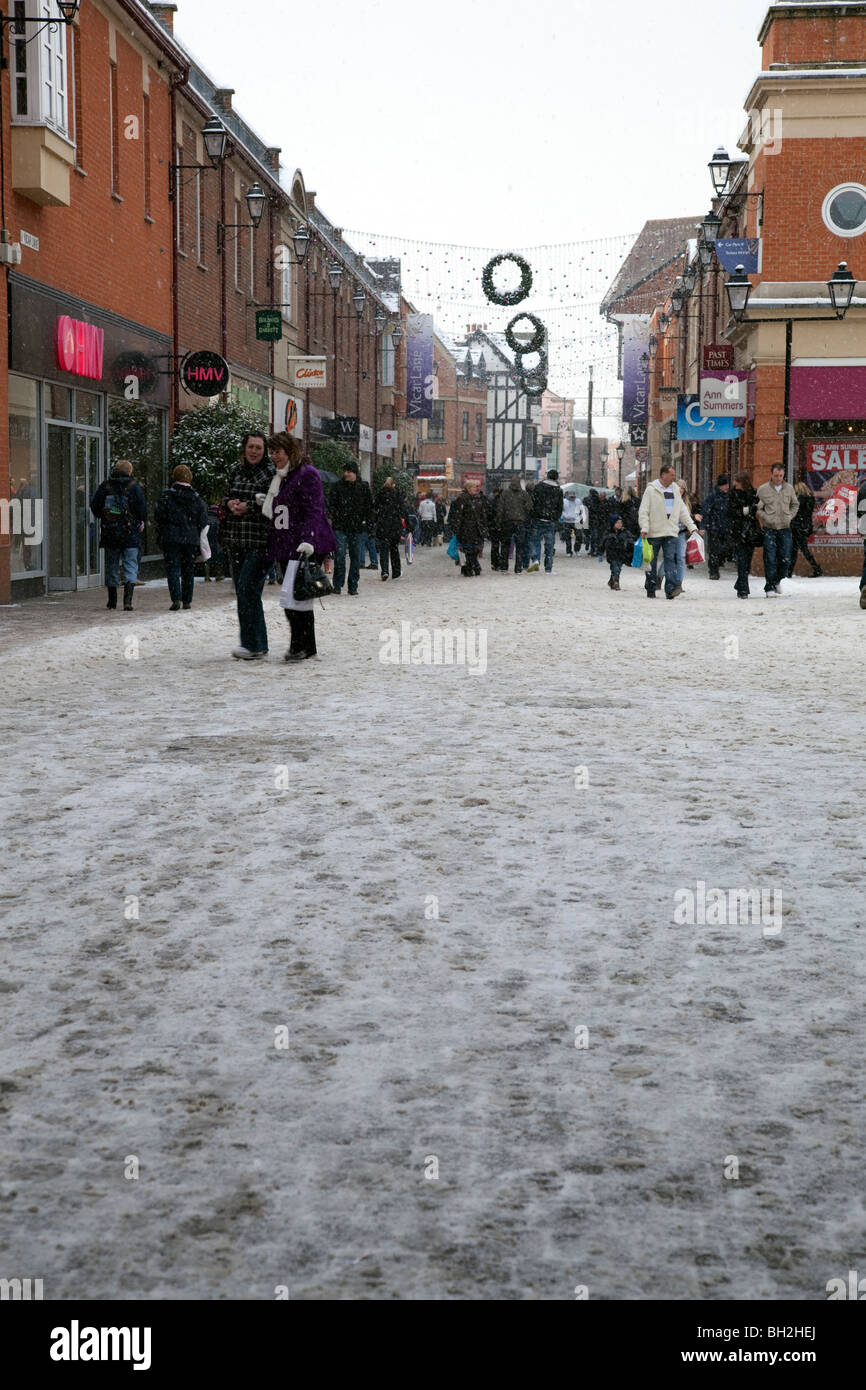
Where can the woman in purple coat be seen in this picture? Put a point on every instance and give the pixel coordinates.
(295, 508)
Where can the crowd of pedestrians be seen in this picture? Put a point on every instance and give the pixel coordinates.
(274, 515)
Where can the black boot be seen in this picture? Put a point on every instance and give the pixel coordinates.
(112, 596)
(128, 591)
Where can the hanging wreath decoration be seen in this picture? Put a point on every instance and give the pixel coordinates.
(535, 343)
(507, 296)
(540, 368)
(534, 383)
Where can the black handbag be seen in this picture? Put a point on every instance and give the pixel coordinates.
(311, 581)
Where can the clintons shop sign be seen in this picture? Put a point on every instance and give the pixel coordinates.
(79, 347)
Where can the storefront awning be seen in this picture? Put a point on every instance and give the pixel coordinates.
(829, 390)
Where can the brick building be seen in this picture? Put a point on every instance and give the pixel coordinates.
(87, 147)
(452, 444)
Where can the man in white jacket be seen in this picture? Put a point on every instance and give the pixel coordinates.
(662, 510)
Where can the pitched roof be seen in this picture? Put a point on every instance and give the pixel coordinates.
(660, 243)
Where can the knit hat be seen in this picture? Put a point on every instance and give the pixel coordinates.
(615, 516)
(181, 474)
(722, 480)
(350, 467)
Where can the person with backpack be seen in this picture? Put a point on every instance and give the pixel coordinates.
(120, 506)
(546, 511)
(181, 519)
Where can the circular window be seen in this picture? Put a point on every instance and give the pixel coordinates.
(844, 210)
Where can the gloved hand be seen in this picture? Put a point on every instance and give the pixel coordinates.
(305, 548)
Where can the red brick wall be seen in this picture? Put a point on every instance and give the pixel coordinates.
(100, 248)
(805, 39)
(797, 243)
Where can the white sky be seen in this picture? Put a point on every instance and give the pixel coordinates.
(493, 124)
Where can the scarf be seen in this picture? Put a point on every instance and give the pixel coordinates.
(276, 484)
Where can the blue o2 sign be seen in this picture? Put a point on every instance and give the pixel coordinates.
(204, 373)
(692, 425)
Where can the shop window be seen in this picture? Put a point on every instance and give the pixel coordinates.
(39, 68)
(436, 425)
(387, 365)
(136, 431)
(844, 210)
(25, 521)
(479, 428)
(58, 402)
(87, 408)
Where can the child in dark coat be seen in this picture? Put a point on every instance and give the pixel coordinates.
(616, 547)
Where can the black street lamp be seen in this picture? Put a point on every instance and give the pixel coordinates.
(710, 227)
(689, 279)
(720, 170)
(620, 455)
(215, 138)
(256, 199)
(301, 243)
(677, 299)
(359, 299)
(706, 254)
(840, 287)
(335, 275)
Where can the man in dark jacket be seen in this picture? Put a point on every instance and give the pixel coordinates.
(351, 516)
(120, 505)
(546, 511)
(717, 526)
(512, 518)
(181, 516)
(389, 525)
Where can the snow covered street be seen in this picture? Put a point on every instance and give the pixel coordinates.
(460, 870)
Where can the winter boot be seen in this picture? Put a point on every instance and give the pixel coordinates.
(466, 571)
(128, 591)
(817, 572)
(112, 596)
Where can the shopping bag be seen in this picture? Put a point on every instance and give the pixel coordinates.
(647, 552)
(410, 547)
(453, 548)
(204, 545)
(695, 549)
(637, 554)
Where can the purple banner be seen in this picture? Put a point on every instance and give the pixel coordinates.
(635, 374)
(419, 366)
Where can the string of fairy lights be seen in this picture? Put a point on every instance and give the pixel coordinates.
(570, 280)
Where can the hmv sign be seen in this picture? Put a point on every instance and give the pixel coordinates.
(204, 373)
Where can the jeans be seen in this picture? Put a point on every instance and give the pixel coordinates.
(249, 568)
(180, 571)
(718, 549)
(128, 558)
(594, 537)
(800, 546)
(471, 565)
(389, 553)
(498, 551)
(743, 555)
(665, 548)
(566, 531)
(543, 531)
(514, 531)
(351, 541)
(369, 553)
(777, 556)
(615, 569)
(427, 532)
(682, 539)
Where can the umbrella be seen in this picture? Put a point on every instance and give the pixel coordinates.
(325, 476)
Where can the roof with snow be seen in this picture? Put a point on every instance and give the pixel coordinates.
(658, 245)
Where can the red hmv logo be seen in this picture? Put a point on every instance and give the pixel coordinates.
(79, 347)
(205, 373)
